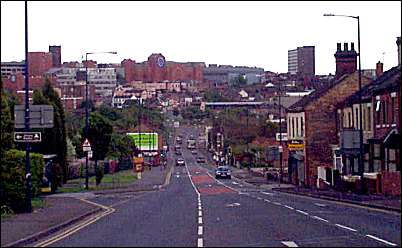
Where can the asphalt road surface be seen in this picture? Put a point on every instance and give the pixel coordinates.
(195, 209)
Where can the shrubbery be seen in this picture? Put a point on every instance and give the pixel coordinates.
(12, 181)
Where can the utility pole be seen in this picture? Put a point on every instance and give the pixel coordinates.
(280, 134)
(28, 204)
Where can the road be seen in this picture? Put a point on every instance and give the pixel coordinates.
(195, 209)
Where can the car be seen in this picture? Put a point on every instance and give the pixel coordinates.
(178, 152)
(180, 162)
(223, 171)
(200, 159)
(194, 152)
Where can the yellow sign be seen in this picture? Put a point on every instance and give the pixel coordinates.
(138, 160)
(296, 145)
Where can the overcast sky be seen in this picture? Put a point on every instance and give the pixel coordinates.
(236, 33)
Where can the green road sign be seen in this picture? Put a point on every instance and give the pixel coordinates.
(149, 141)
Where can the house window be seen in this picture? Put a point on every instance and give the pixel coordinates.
(384, 112)
(391, 160)
(377, 109)
(293, 127)
(349, 119)
(357, 119)
(393, 109)
(302, 126)
(297, 126)
(368, 118)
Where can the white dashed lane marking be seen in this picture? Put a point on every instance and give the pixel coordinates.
(267, 193)
(318, 218)
(200, 243)
(286, 206)
(199, 220)
(200, 230)
(381, 240)
(302, 212)
(345, 227)
(290, 244)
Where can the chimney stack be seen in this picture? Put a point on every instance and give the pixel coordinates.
(346, 60)
(379, 69)
(352, 46)
(338, 47)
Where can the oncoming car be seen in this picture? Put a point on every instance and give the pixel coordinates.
(180, 162)
(223, 172)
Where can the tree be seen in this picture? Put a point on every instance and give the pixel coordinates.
(121, 146)
(54, 140)
(6, 127)
(240, 80)
(99, 135)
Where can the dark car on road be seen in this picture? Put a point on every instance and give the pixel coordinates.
(200, 159)
(180, 162)
(223, 172)
(178, 152)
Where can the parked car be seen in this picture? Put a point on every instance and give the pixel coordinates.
(200, 159)
(180, 162)
(194, 152)
(223, 171)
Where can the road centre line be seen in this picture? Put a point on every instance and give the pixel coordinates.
(381, 240)
(199, 230)
(318, 218)
(302, 212)
(345, 227)
(200, 243)
(267, 200)
(286, 206)
(277, 203)
(290, 244)
(199, 213)
(267, 193)
(199, 220)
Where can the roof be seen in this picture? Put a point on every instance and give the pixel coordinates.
(388, 79)
(318, 93)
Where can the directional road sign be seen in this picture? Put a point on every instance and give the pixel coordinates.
(40, 116)
(29, 137)
(86, 147)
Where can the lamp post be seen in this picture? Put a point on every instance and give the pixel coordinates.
(86, 110)
(280, 134)
(28, 203)
(361, 151)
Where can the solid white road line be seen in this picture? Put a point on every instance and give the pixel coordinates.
(320, 204)
(199, 220)
(199, 230)
(381, 240)
(286, 206)
(290, 244)
(302, 212)
(199, 243)
(318, 218)
(345, 227)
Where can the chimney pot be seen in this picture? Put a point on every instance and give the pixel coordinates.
(379, 69)
(352, 46)
(345, 46)
(338, 47)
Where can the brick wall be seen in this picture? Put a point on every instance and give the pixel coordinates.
(320, 124)
(39, 63)
(391, 182)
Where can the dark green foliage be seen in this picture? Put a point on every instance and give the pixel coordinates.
(99, 135)
(13, 187)
(194, 113)
(57, 135)
(214, 96)
(121, 146)
(6, 127)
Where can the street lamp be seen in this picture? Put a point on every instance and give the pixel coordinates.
(86, 109)
(280, 133)
(361, 165)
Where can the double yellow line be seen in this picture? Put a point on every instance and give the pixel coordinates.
(68, 232)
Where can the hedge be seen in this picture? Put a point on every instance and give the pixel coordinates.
(12, 181)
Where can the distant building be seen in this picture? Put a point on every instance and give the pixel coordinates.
(12, 68)
(56, 55)
(226, 73)
(39, 63)
(301, 61)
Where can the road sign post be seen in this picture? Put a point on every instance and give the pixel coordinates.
(86, 147)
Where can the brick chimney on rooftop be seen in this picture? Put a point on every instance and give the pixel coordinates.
(379, 69)
(346, 60)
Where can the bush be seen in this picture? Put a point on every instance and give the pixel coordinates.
(12, 181)
(99, 174)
